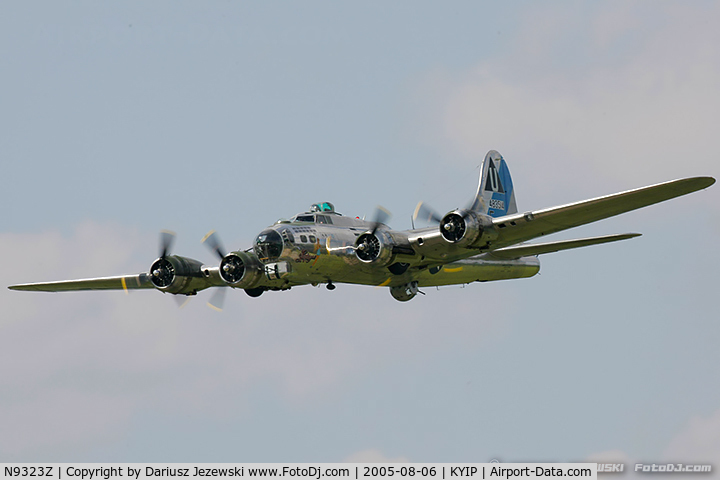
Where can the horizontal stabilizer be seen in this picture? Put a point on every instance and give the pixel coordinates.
(518, 251)
(123, 282)
(522, 227)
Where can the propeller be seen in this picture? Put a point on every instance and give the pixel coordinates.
(382, 215)
(181, 300)
(212, 240)
(452, 226)
(217, 300)
(167, 238)
(426, 213)
(162, 271)
(367, 245)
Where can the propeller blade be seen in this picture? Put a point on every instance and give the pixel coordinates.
(212, 240)
(382, 215)
(425, 213)
(181, 300)
(217, 300)
(167, 238)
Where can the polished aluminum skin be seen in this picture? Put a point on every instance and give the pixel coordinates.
(480, 243)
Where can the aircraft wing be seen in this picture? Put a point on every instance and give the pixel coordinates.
(518, 251)
(521, 227)
(123, 282)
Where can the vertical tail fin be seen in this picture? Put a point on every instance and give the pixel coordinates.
(495, 195)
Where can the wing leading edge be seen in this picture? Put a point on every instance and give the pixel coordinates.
(122, 282)
(519, 228)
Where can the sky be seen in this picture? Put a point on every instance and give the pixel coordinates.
(118, 120)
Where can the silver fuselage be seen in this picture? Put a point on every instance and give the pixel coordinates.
(321, 249)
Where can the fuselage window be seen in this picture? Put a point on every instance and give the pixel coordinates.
(312, 238)
(303, 238)
(288, 236)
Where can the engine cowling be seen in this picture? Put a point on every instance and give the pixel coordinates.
(466, 228)
(176, 274)
(375, 248)
(241, 269)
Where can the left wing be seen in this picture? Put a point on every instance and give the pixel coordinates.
(123, 282)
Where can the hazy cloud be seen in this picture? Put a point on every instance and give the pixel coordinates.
(115, 129)
(635, 98)
(697, 442)
(83, 363)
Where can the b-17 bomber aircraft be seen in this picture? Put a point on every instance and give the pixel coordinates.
(484, 241)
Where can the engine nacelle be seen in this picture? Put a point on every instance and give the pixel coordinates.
(375, 248)
(176, 274)
(241, 269)
(466, 228)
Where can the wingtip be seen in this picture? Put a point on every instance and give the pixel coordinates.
(702, 182)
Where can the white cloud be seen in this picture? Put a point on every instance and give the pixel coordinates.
(641, 106)
(698, 441)
(84, 363)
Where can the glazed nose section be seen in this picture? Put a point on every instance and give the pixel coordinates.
(268, 245)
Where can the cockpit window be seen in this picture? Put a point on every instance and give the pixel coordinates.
(268, 245)
(324, 219)
(305, 218)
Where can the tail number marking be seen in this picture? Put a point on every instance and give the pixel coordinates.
(499, 204)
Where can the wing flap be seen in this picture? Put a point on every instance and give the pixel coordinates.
(509, 253)
(122, 282)
(518, 228)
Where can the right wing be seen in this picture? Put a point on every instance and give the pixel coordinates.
(123, 282)
(526, 250)
(519, 228)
